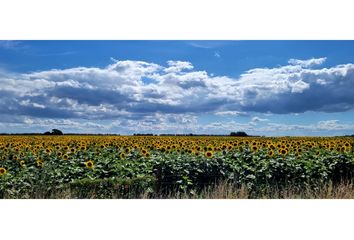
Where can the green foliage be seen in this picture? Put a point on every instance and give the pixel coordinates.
(114, 177)
(111, 188)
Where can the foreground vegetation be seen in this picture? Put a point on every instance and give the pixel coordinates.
(175, 167)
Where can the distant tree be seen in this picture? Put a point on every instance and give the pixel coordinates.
(54, 132)
(239, 134)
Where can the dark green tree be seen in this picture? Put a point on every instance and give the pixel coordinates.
(239, 134)
(54, 132)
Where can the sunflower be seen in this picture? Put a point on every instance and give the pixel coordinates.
(254, 148)
(2, 171)
(122, 155)
(65, 157)
(40, 163)
(270, 153)
(89, 164)
(22, 163)
(283, 151)
(208, 154)
(210, 148)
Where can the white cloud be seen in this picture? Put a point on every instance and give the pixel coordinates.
(121, 92)
(178, 66)
(230, 113)
(321, 126)
(307, 63)
(292, 89)
(299, 86)
(258, 119)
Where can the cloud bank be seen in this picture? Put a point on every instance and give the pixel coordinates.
(176, 93)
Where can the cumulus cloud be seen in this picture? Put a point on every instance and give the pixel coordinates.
(330, 127)
(256, 120)
(293, 89)
(320, 126)
(178, 66)
(230, 113)
(307, 63)
(131, 91)
(155, 123)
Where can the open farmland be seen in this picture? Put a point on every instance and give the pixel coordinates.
(174, 167)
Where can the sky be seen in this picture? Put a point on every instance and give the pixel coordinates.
(267, 88)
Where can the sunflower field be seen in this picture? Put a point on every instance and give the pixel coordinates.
(125, 166)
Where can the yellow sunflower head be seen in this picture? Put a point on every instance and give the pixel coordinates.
(3, 171)
(40, 163)
(89, 164)
(122, 155)
(270, 153)
(283, 151)
(208, 154)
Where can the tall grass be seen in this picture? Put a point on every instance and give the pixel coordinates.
(221, 190)
(343, 190)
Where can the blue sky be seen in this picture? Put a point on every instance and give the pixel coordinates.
(267, 88)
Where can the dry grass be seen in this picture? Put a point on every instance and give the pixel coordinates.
(224, 190)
